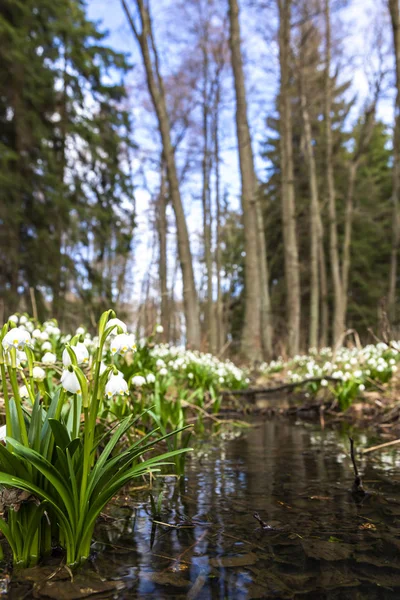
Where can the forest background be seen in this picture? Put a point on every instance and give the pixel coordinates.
(227, 169)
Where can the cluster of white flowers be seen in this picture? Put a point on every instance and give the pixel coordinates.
(359, 365)
(194, 366)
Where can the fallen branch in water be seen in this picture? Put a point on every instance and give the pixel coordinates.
(279, 388)
(385, 445)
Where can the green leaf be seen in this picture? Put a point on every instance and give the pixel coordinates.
(61, 435)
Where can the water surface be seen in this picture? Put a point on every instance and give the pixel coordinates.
(319, 543)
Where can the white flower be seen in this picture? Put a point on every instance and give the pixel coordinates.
(190, 376)
(116, 323)
(138, 380)
(23, 320)
(21, 355)
(80, 331)
(358, 373)
(16, 338)
(116, 385)
(324, 382)
(122, 343)
(36, 333)
(46, 346)
(221, 379)
(159, 329)
(150, 378)
(103, 367)
(49, 358)
(163, 371)
(361, 387)
(160, 363)
(44, 336)
(23, 391)
(13, 319)
(81, 353)
(3, 432)
(38, 373)
(70, 382)
(30, 326)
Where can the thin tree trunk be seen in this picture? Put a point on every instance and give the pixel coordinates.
(156, 89)
(218, 254)
(291, 258)
(395, 19)
(162, 241)
(207, 224)
(257, 325)
(314, 216)
(338, 318)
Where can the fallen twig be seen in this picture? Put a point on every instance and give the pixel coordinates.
(379, 446)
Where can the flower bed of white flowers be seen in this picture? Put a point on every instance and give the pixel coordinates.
(346, 372)
(141, 364)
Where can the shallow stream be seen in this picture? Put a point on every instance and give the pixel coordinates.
(317, 542)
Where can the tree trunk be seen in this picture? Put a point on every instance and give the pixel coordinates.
(395, 19)
(156, 89)
(218, 254)
(291, 258)
(338, 320)
(257, 325)
(207, 224)
(162, 241)
(315, 219)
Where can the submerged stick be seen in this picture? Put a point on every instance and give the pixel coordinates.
(357, 488)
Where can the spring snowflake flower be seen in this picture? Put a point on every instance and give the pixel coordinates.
(80, 331)
(36, 334)
(70, 382)
(81, 353)
(138, 381)
(190, 375)
(16, 338)
(49, 358)
(150, 378)
(46, 346)
(23, 320)
(361, 387)
(324, 382)
(116, 323)
(38, 373)
(163, 371)
(23, 391)
(44, 336)
(159, 329)
(116, 385)
(13, 319)
(122, 343)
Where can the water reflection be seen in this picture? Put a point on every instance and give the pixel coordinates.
(297, 477)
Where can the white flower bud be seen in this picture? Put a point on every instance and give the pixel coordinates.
(138, 380)
(38, 373)
(23, 391)
(49, 358)
(13, 319)
(150, 378)
(159, 329)
(117, 323)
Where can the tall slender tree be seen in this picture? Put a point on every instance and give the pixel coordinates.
(143, 33)
(257, 331)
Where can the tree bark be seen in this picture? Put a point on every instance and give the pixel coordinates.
(315, 220)
(395, 19)
(162, 241)
(157, 92)
(257, 330)
(291, 258)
